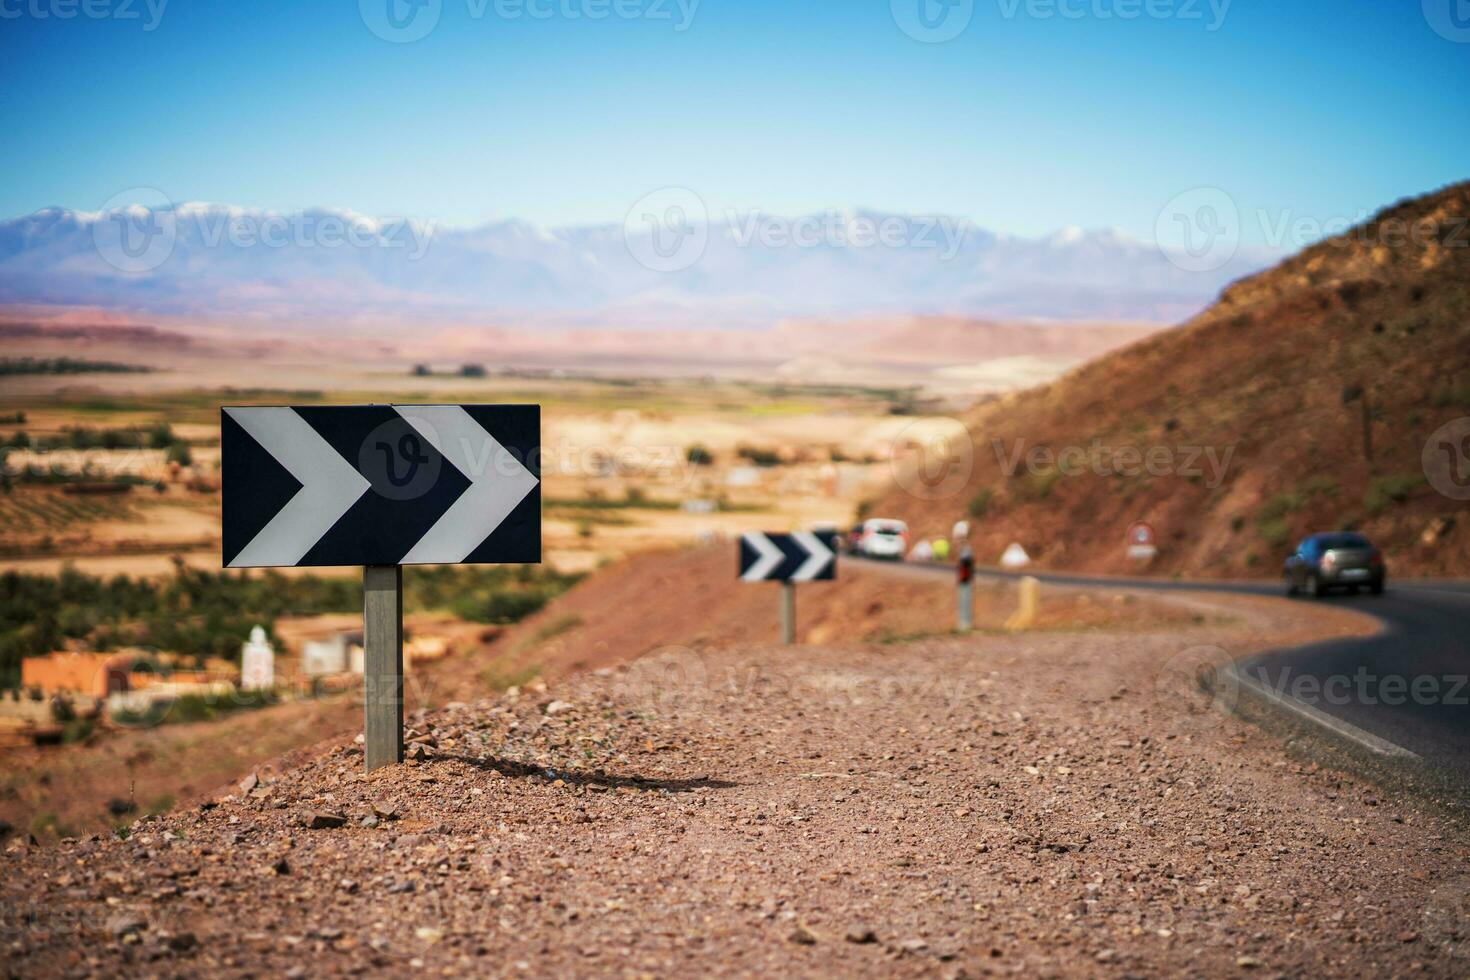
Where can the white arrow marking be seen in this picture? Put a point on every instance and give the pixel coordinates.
(498, 483)
(819, 554)
(329, 486)
(769, 557)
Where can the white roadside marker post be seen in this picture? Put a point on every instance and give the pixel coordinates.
(382, 640)
(788, 613)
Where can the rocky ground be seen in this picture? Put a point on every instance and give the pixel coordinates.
(603, 622)
(1047, 804)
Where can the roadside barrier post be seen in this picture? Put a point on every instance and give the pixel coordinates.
(788, 612)
(1029, 593)
(382, 640)
(964, 588)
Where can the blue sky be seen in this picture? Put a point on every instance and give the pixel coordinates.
(1031, 118)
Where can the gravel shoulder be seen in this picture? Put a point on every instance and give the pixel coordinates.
(1048, 803)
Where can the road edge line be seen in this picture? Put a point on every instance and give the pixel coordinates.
(1343, 729)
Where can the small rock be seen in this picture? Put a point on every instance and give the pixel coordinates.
(803, 936)
(282, 867)
(429, 934)
(558, 707)
(324, 820)
(861, 935)
(1408, 936)
(1247, 962)
(249, 783)
(125, 924)
(182, 942)
(1105, 955)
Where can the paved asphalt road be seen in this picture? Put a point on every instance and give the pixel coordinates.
(1408, 685)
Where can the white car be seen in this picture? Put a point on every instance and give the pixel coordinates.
(883, 538)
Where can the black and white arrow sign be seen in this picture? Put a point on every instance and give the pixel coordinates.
(803, 556)
(381, 484)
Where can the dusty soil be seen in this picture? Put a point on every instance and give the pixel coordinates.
(1040, 803)
(66, 789)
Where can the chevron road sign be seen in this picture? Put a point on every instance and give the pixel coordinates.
(803, 556)
(380, 485)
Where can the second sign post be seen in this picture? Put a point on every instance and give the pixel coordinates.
(801, 556)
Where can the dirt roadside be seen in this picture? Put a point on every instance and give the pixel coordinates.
(604, 621)
(1043, 804)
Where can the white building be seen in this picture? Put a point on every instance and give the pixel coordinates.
(257, 663)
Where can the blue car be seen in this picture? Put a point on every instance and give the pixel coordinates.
(1338, 560)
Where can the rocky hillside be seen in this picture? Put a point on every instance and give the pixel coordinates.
(1311, 396)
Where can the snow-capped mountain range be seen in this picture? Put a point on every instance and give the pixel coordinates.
(661, 268)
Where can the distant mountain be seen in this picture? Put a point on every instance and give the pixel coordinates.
(216, 261)
(1330, 391)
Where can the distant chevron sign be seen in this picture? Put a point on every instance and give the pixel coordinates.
(803, 556)
(380, 484)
